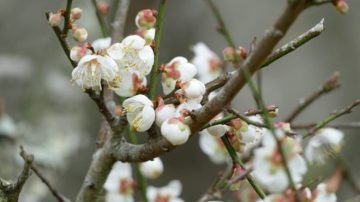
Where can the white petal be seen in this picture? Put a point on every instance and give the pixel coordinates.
(102, 43)
(175, 131)
(134, 41)
(143, 120)
(164, 112)
(152, 169)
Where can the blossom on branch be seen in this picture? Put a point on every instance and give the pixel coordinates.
(139, 112)
(152, 169)
(169, 193)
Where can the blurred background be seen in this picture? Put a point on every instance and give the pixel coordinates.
(58, 123)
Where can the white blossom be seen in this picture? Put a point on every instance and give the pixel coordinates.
(139, 112)
(101, 44)
(213, 148)
(133, 55)
(322, 195)
(119, 184)
(207, 63)
(175, 130)
(268, 164)
(164, 112)
(169, 193)
(92, 69)
(77, 52)
(152, 169)
(325, 143)
(187, 106)
(130, 83)
(193, 89)
(178, 69)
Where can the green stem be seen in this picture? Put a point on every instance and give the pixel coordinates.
(155, 69)
(104, 31)
(237, 160)
(270, 125)
(140, 177)
(67, 18)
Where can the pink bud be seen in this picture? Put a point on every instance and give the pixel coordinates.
(77, 52)
(341, 6)
(55, 19)
(76, 13)
(145, 19)
(80, 34)
(103, 8)
(229, 54)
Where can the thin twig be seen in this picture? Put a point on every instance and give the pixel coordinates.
(67, 25)
(331, 84)
(237, 160)
(104, 30)
(155, 69)
(331, 118)
(54, 192)
(64, 44)
(244, 118)
(118, 24)
(351, 125)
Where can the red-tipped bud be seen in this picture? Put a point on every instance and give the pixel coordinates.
(55, 19)
(146, 19)
(103, 8)
(341, 6)
(75, 13)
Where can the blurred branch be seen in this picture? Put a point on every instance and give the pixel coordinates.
(10, 192)
(155, 69)
(104, 31)
(221, 24)
(53, 191)
(331, 84)
(348, 174)
(331, 118)
(244, 118)
(351, 125)
(118, 24)
(67, 25)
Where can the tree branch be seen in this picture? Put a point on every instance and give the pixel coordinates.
(67, 25)
(104, 30)
(331, 84)
(331, 118)
(10, 192)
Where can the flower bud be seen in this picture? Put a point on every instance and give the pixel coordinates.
(80, 34)
(341, 6)
(164, 112)
(77, 52)
(193, 89)
(75, 13)
(145, 19)
(175, 130)
(103, 8)
(229, 54)
(218, 130)
(55, 19)
(152, 169)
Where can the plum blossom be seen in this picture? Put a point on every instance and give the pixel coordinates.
(145, 19)
(77, 52)
(175, 130)
(213, 147)
(91, 69)
(80, 34)
(325, 143)
(139, 112)
(268, 164)
(55, 19)
(164, 112)
(147, 34)
(133, 55)
(119, 184)
(101, 44)
(188, 105)
(130, 83)
(321, 194)
(178, 69)
(152, 169)
(193, 89)
(208, 64)
(169, 193)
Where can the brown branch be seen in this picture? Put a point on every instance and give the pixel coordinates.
(331, 84)
(118, 25)
(331, 118)
(135, 153)
(10, 191)
(67, 13)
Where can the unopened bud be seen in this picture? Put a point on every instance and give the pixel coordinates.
(76, 13)
(55, 19)
(77, 52)
(80, 34)
(145, 19)
(242, 52)
(274, 112)
(229, 54)
(341, 6)
(103, 8)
